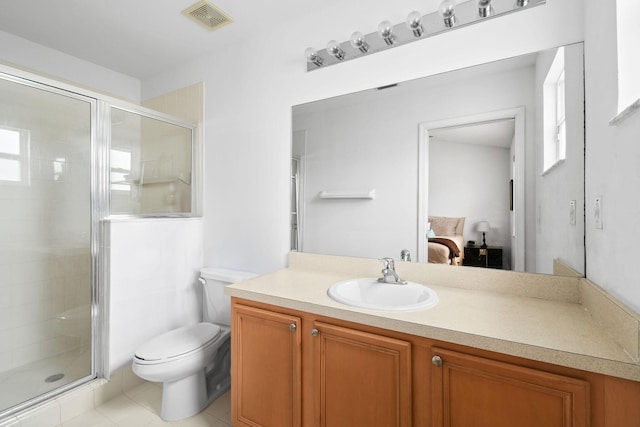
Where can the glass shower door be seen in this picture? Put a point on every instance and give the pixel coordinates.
(46, 240)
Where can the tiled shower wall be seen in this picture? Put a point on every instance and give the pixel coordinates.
(45, 259)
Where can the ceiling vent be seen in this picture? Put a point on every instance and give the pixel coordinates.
(207, 15)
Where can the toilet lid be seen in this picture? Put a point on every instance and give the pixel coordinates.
(178, 342)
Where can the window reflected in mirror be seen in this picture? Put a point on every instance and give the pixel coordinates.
(555, 136)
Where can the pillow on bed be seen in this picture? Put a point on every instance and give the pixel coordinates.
(444, 226)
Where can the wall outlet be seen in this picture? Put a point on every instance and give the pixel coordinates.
(597, 213)
(572, 212)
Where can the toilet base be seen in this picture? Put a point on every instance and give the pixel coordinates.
(184, 398)
(187, 397)
(190, 395)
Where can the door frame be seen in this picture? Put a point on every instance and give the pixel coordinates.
(518, 214)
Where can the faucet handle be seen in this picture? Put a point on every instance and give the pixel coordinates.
(387, 263)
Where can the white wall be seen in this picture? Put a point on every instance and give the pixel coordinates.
(356, 148)
(154, 269)
(612, 159)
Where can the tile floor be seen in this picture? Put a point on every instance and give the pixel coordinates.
(140, 407)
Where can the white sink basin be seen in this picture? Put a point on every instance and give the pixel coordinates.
(369, 293)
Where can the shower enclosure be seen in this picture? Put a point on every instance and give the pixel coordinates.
(46, 244)
(59, 174)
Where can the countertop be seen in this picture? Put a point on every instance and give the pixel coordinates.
(556, 330)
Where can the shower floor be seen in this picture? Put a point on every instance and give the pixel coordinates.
(26, 382)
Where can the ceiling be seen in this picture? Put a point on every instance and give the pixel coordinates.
(136, 37)
(140, 37)
(498, 133)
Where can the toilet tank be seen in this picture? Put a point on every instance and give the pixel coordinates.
(216, 306)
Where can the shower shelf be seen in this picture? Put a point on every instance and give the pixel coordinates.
(158, 180)
(148, 181)
(327, 194)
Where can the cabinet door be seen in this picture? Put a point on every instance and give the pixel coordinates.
(473, 391)
(494, 258)
(265, 370)
(360, 379)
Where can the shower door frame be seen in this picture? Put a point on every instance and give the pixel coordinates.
(98, 212)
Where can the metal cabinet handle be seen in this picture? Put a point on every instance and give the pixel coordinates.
(292, 327)
(436, 360)
(314, 332)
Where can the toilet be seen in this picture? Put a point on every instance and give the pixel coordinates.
(193, 362)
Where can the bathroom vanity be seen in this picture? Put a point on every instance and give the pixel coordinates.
(513, 350)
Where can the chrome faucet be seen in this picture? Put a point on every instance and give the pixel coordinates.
(389, 274)
(405, 255)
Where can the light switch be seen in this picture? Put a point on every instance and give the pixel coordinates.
(597, 213)
(572, 212)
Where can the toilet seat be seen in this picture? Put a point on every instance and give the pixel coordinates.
(177, 343)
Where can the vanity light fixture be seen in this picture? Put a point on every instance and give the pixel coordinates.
(484, 8)
(357, 41)
(333, 47)
(449, 16)
(414, 23)
(385, 29)
(313, 57)
(447, 10)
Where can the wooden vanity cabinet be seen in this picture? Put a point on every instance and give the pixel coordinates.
(292, 368)
(475, 391)
(352, 377)
(265, 368)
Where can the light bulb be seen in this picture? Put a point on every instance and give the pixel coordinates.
(385, 29)
(484, 8)
(414, 23)
(522, 3)
(312, 56)
(447, 10)
(333, 47)
(358, 42)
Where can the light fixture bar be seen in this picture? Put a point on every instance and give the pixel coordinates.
(466, 13)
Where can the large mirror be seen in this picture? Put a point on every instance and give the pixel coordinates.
(488, 155)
